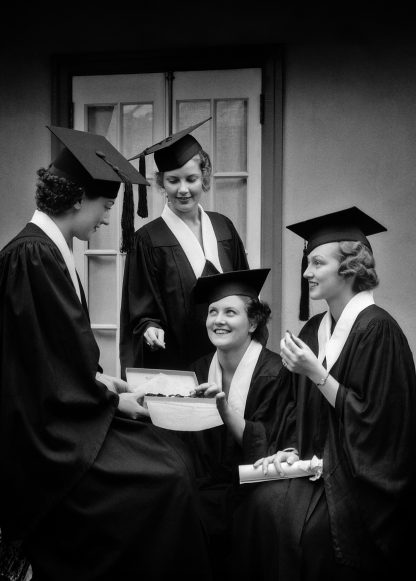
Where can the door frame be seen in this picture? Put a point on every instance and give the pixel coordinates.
(269, 59)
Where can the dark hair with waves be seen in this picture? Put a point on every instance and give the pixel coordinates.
(206, 170)
(357, 260)
(54, 194)
(259, 314)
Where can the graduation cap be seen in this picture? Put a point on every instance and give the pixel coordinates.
(170, 153)
(214, 287)
(348, 224)
(92, 162)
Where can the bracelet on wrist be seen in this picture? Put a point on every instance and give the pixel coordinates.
(291, 450)
(322, 381)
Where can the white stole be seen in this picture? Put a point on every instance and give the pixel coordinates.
(240, 383)
(48, 226)
(330, 346)
(189, 242)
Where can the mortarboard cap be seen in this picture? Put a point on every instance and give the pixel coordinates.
(209, 289)
(349, 224)
(174, 151)
(91, 161)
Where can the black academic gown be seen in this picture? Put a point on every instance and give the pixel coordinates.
(93, 495)
(157, 291)
(357, 521)
(217, 455)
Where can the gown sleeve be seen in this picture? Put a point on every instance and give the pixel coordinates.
(376, 411)
(142, 303)
(239, 254)
(50, 399)
(266, 407)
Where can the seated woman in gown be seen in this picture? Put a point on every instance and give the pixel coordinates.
(241, 374)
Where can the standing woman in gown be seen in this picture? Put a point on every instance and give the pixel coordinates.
(160, 325)
(93, 492)
(354, 383)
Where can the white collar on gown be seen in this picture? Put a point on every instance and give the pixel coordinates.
(330, 346)
(189, 242)
(240, 383)
(48, 226)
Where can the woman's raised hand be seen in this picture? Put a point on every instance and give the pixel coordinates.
(297, 356)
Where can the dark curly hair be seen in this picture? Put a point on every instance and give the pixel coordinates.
(357, 260)
(55, 194)
(258, 313)
(205, 166)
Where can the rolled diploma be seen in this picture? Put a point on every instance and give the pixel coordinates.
(299, 469)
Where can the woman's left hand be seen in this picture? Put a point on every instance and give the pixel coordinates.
(222, 406)
(289, 456)
(297, 356)
(206, 390)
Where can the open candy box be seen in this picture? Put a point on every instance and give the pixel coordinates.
(168, 401)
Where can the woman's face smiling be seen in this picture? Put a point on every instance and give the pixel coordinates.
(227, 323)
(322, 273)
(183, 187)
(91, 214)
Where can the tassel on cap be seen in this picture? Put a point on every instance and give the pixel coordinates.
(127, 216)
(127, 219)
(304, 289)
(142, 204)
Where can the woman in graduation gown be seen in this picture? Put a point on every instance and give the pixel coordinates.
(94, 491)
(354, 384)
(241, 374)
(160, 326)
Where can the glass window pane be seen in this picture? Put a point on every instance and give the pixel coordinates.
(102, 120)
(137, 134)
(137, 129)
(231, 200)
(191, 112)
(102, 291)
(106, 340)
(231, 135)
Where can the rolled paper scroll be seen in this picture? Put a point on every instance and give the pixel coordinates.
(301, 468)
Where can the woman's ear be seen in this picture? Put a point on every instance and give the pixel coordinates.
(253, 327)
(78, 204)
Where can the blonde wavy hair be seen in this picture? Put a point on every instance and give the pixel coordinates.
(357, 260)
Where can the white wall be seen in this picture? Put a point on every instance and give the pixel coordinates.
(350, 139)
